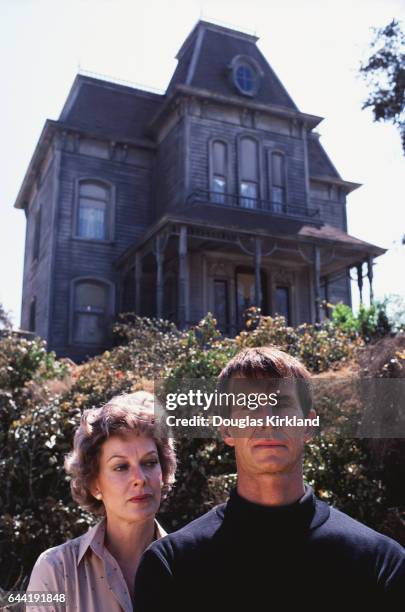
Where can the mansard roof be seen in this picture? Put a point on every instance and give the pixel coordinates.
(319, 162)
(321, 167)
(112, 110)
(204, 62)
(109, 109)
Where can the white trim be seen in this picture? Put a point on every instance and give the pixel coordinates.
(110, 212)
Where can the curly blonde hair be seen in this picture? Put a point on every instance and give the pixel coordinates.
(137, 412)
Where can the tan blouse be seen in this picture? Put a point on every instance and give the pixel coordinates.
(86, 572)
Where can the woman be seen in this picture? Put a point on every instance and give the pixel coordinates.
(122, 458)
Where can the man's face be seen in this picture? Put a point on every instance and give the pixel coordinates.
(270, 449)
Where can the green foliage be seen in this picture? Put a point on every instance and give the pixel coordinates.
(343, 317)
(5, 321)
(33, 438)
(204, 352)
(338, 470)
(41, 401)
(395, 308)
(24, 364)
(145, 345)
(384, 73)
(22, 360)
(370, 323)
(319, 347)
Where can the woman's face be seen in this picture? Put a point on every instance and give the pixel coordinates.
(129, 478)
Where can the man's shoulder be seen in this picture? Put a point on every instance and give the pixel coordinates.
(199, 531)
(352, 532)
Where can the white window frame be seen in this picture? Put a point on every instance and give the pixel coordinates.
(110, 211)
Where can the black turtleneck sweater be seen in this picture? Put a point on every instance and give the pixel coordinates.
(246, 556)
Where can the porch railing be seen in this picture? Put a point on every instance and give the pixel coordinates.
(248, 203)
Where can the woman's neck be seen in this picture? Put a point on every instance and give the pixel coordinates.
(127, 541)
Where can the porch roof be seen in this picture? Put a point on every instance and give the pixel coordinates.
(347, 250)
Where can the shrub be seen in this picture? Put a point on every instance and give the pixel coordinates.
(42, 398)
(320, 347)
(22, 360)
(370, 323)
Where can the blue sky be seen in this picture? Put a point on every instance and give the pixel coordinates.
(315, 46)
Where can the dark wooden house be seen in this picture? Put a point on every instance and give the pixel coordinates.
(215, 196)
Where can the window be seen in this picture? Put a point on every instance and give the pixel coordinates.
(278, 188)
(93, 210)
(283, 303)
(219, 163)
(245, 79)
(248, 166)
(37, 236)
(248, 192)
(245, 74)
(218, 190)
(90, 312)
(33, 315)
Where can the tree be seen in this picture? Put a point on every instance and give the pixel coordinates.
(5, 322)
(384, 73)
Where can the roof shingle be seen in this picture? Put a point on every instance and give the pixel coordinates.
(111, 110)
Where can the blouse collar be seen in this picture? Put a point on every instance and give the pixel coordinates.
(94, 539)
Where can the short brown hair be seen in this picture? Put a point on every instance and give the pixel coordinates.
(134, 412)
(263, 362)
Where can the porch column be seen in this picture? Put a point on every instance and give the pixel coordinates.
(183, 289)
(327, 296)
(120, 291)
(258, 280)
(232, 306)
(317, 283)
(138, 282)
(360, 280)
(370, 277)
(159, 277)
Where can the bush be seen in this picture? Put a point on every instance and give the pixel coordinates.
(370, 323)
(320, 347)
(22, 360)
(5, 321)
(42, 399)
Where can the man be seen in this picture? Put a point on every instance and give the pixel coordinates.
(273, 542)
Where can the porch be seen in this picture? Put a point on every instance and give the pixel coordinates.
(185, 267)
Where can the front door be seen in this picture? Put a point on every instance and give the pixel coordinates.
(283, 303)
(245, 292)
(221, 310)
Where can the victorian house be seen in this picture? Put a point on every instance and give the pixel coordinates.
(214, 196)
